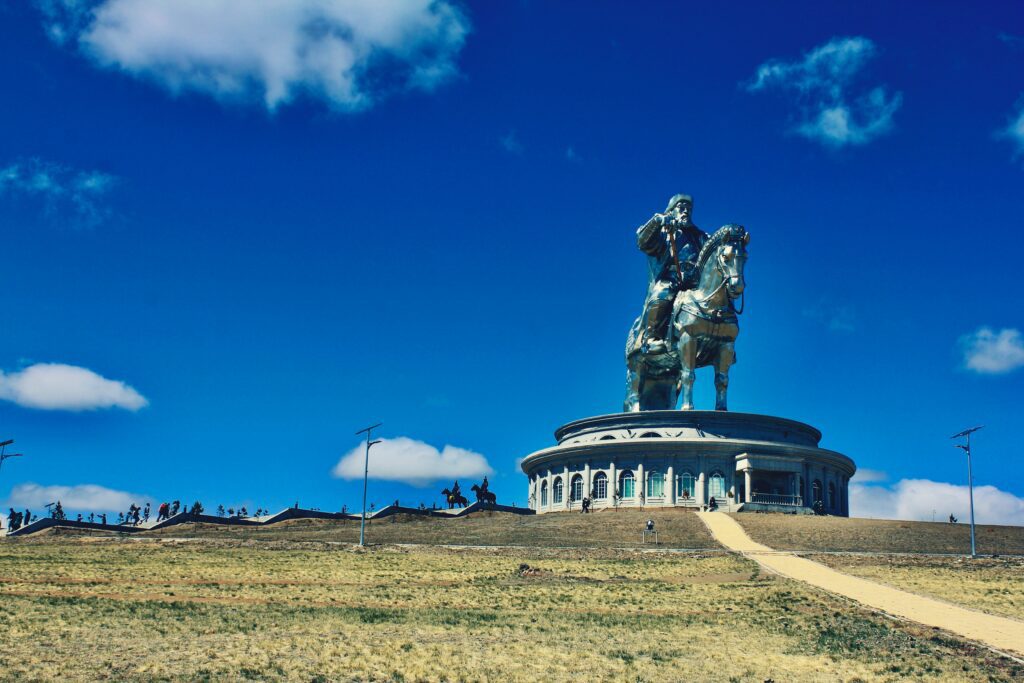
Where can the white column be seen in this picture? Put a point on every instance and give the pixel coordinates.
(747, 493)
(551, 490)
(699, 489)
(670, 474)
(586, 480)
(640, 483)
(565, 488)
(613, 482)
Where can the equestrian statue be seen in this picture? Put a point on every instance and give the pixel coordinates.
(454, 496)
(484, 494)
(690, 319)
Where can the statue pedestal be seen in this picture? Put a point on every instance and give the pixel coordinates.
(676, 458)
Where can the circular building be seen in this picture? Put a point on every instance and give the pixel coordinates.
(673, 458)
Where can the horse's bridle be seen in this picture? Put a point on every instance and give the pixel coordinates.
(728, 288)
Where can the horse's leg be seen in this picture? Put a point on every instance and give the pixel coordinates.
(687, 362)
(726, 357)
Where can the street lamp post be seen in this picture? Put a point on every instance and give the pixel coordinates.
(366, 472)
(4, 455)
(970, 477)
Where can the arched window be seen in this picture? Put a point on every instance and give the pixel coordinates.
(832, 496)
(716, 487)
(655, 485)
(684, 485)
(627, 484)
(816, 491)
(607, 437)
(600, 486)
(544, 494)
(650, 435)
(559, 486)
(576, 488)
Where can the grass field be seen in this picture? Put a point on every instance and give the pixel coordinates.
(808, 532)
(993, 585)
(142, 610)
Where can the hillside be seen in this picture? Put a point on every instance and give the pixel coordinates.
(828, 534)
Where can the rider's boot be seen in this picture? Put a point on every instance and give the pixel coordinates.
(658, 313)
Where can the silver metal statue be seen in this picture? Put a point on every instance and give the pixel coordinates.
(689, 318)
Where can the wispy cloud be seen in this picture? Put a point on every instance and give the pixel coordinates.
(864, 476)
(1015, 42)
(510, 142)
(988, 352)
(413, 462)
(65, 193)
(1014, 129)
(830, 111)
(838, 318)
(348, 53)
(572, 155)
(78, 498)
(54, 386)
(919, 499)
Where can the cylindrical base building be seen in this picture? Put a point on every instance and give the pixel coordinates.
(686, 458)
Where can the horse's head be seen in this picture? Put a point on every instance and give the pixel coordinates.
(726, 251)
(474, 487)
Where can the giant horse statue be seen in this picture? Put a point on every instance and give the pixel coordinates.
(704, 328)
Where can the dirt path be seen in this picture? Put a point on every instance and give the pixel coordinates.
(998, 632)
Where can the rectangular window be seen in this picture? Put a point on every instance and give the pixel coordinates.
(655, 485)
(627, 487)
(601, 488)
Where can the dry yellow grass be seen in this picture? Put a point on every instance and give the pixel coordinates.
(133, 610)
(810, 532)
(993, 585)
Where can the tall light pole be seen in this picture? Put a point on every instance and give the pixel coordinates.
(366, 472)
(4, 455)
(970, 477)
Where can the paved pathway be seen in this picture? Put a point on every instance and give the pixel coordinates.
(997, 632)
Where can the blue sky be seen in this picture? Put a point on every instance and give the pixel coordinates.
(276, 227)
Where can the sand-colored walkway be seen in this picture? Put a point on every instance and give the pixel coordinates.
(997, 632)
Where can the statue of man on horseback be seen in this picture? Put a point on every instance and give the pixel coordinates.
(454, 496)
(672, 243)
(689, 318)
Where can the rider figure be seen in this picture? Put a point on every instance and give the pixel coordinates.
(456, 491)
(483, 486)
(672, 244)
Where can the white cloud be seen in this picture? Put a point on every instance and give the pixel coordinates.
(837, 318)
(919, 499)
(822, 81)
(864, 475)
(1014, 130)
(413, 462)
(348, 53)
(63, 191)
(993, 353)
(82, 497)
(510, 141)
(55, 386)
